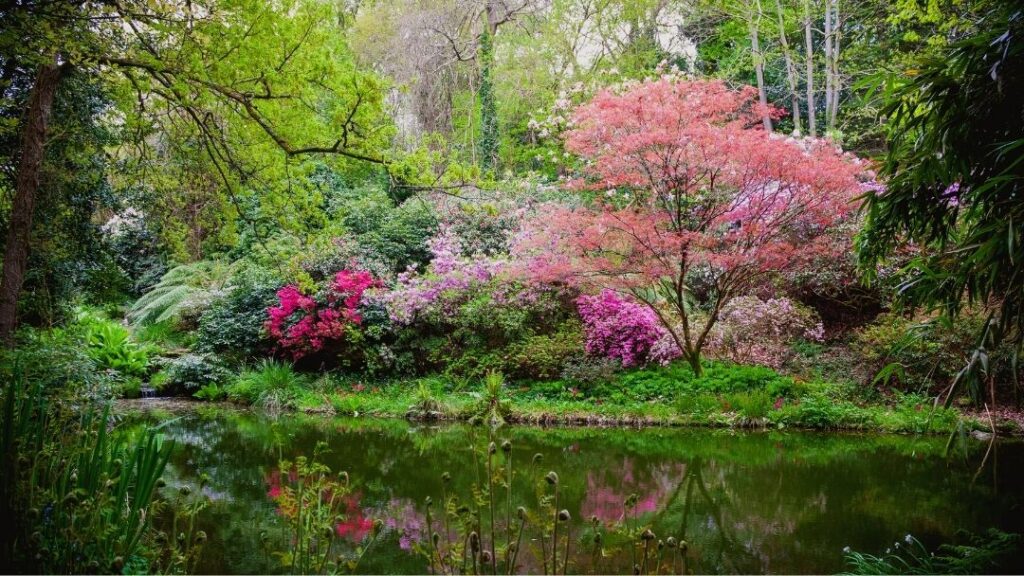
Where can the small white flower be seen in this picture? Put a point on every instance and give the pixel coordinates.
(908, 538)
(846, 549)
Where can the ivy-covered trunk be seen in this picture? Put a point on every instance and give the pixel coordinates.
(488, 108)
(33, 144)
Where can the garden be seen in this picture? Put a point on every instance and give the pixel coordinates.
(476, 286)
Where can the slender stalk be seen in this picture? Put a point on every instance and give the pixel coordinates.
(554, 536)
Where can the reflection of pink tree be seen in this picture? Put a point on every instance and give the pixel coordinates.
(605, 495)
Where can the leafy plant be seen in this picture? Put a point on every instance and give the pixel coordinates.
(271, 385)
(184, 289)
(983, 555)
(188, 373)
(110, 345)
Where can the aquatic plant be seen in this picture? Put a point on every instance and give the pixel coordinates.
(312, 501)
(466, 536)
(983, 554)
(77, 492)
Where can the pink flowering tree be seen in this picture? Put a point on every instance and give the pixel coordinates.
(694, 203)
(301, 324)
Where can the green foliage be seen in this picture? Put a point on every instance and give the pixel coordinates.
(232, 326)
(983, 554)
(492, 408)
(544, 356)
(111, 347)
(182, 293)
(719, 378)
(954, 179)
(922, 354)
(80, 492)
(271, 385)
(185, 375)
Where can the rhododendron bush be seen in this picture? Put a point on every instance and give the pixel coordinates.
(695, 203)
(302, 324)
(756, 331)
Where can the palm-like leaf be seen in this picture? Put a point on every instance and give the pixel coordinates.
(180, 289)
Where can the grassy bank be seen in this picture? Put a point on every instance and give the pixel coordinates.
(725, 396)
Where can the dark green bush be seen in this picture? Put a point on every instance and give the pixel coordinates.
(233, 324)
(185, 375)
(544, 356)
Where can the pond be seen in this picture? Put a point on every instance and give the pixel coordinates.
(776, 502)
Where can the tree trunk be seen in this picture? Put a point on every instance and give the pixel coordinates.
(33, 149)
(794, 90)
(836, 35)
(694, 360)
(809, 49)
(488, 106)
(829, 103)
(755, 48)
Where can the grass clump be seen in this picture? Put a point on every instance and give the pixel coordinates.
(271, 385)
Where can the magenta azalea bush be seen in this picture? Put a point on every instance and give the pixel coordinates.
(301, 324)
(620, 329)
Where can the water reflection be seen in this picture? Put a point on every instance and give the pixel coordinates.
(765, 502)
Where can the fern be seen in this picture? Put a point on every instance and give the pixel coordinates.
(181, 288)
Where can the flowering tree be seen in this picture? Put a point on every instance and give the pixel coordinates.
(302, 325)
(696, 204)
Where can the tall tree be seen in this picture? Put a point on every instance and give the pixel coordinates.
(19, 230)
(701, 206)
(258, 87)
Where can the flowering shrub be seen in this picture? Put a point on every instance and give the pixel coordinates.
(301, 324)
(755, 331)
(623, 330)
(448, 277)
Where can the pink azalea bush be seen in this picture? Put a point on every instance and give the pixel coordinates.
(623, 330)
(301, 324)
(448, 276)
(756, 331)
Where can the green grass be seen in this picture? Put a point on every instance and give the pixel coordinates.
(727, 396)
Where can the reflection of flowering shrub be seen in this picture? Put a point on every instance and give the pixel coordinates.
(301, 324)
(401, 516)
(355, 525)
(620, 329)
(755, 331)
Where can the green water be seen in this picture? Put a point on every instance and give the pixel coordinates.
(779, 502)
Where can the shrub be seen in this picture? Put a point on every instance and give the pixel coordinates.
(234, 323)
(620, 329)
(587, 371)
(185, 375)
(302, 324)
(919, 353)
(755, 331)
(543, 356)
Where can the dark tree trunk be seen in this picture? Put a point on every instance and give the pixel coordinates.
(33, 144)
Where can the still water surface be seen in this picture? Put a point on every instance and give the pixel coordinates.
(775, 502)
